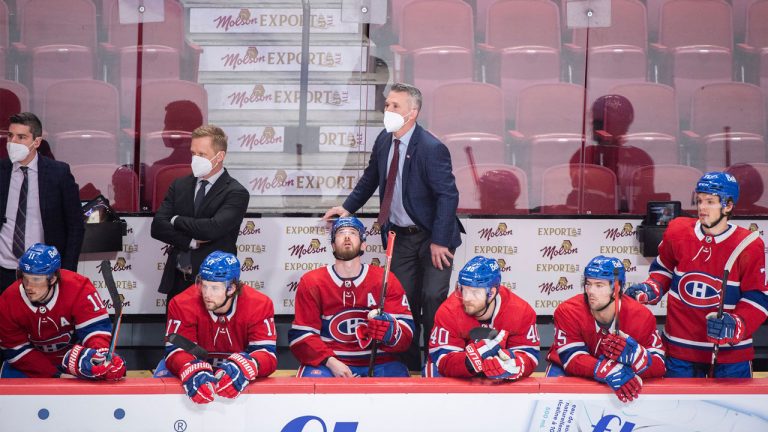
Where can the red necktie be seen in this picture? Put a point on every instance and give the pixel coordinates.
(389, 189)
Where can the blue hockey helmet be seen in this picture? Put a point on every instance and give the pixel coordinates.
(602, 267)
(40, 259)
(480, 272)
(348, 221)
(719, 183)
(220, 267)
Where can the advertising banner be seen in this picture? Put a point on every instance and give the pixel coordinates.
(264, 20)
(282, 58)
(286, 97)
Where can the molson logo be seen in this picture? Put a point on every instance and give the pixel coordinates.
(251, 56)
(292, 285)
(250, 229)
(753, 227)
(562, 285)
(503, 265)
(553, 251)
(314, 247)
(249, 141)
(500, 231)
(376, 262)
(259, 94)
(628, 267)
(249, 265)
(109, 305)
(614, 233)
(228, 21)
(120, 265)
(263, 183)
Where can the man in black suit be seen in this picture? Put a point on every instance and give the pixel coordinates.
(201, 213)
(39, 198)
(418, 199)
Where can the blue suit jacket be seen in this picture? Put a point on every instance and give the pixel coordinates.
(59, 207)
(430, 196)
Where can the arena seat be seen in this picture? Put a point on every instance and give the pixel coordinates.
(752, 54)
(562, 186)
(654, 106)
(77, 105)
(85, 147)
(117, 183)
(14, 98)
(504, 189)
(662, 183)
(163, 179)
(486, 148)
(157, 96)
(480, 107)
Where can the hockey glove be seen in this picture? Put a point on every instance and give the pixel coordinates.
(384, 328)
(115, 367)
(648, 292)
(363, 334)
(504, 366)
(624, 349)
(198, 381)
(728, 329)
(625, 383)
(85, 363)
(235, 373)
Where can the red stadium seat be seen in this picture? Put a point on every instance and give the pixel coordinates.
(436, 66)
(752, 54)
(723, 150)
(163, 179)
(160, 149)
(502, 189)
(485, 148)
(85, 147)
(79, 105)
(478, 106)
(613, 65)
(546, 151)
(740, 14)
(160, 96)
(14, 98)
(654, 105)
(578, 189)
(522, 47)
(117, 183)
(663, 183)
(158, 63)
(752, 178)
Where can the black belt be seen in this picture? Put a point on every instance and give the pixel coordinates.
(409, 230)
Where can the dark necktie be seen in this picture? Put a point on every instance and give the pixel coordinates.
(200, 195)
(389, 189)
(21, 216)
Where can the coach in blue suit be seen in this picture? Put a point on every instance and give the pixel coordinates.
(52, 214)
(418, 200)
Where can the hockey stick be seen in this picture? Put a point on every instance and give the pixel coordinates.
(382, 297)
(617, 300)
(188, 346)
(472, 165)
(478, 333)
(117, 302)
(723, 285)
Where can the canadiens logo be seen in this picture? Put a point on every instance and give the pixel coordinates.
(56, 343)
(699, 290)
(342, 326)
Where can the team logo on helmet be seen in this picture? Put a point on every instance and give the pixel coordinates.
(699, 290)
(342, 326)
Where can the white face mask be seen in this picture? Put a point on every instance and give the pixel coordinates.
(393, 121)
(17, 152)
(201, 166)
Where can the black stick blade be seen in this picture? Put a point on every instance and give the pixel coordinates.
(478, 333)
(188, 346)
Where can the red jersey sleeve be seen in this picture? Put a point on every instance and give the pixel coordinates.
(446, 345)
(571, 349)
(185, 325)
(262, 337)
(304, 336)
(17, 349)
(752, 307)
(93, 326)
(523, 341)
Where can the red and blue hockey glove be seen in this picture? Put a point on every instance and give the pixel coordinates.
(384, 328)
(235, 373)
(85, 363)
(728, 329)
(504, 366)
(198, 381)
(624, 349)
(478, 351)
(648, 292)
(115, 367)
(364, 337)
(625, 383)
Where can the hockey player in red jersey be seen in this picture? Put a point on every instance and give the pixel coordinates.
(336, 318)
(52, 321)
(585, 344)
(232, 321)
(480, 300)
(692, 256)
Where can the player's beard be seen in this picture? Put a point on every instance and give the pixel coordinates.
(347, 253)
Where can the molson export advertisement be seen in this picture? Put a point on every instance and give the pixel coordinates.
(282, 58)
(253, 139)
(262, 20)
(286, 97)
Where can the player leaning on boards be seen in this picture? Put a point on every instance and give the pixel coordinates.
(52, 321)
(480, 300)
(592, 341)
(692, 256)
(232, 321)
(336, 319)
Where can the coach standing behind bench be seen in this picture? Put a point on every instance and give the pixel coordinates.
(418, 202)
(201, 213)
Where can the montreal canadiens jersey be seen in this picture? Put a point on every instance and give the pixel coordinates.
(690, 267)
(328, 309)
(577, 336)
(452, 326)
(249, 327)
(35, 337)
